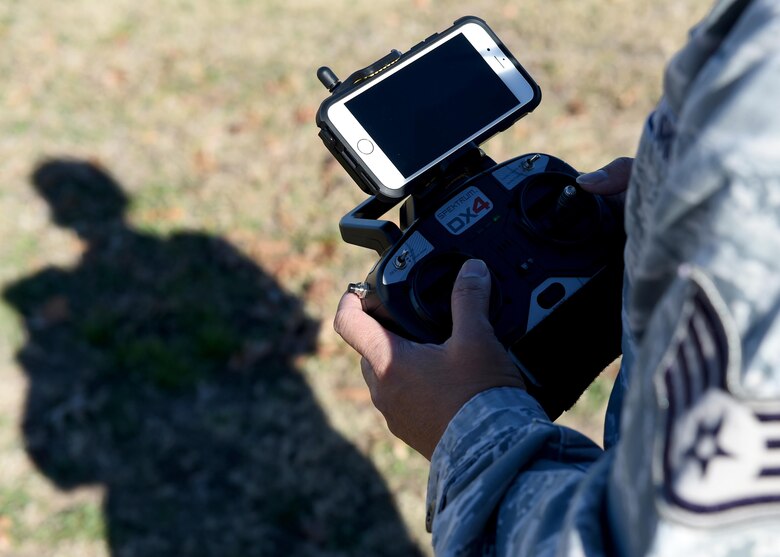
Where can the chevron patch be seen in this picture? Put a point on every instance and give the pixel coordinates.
(718, 458)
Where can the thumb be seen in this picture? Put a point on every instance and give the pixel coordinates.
(609, 180)
(471, 300)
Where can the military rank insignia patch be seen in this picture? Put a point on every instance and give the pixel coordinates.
(718, 459)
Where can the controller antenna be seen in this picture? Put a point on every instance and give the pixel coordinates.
(328, 78)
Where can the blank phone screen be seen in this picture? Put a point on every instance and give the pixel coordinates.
(419, 113)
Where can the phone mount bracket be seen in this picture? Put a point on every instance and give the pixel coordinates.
(363, 227)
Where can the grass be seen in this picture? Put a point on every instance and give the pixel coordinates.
(78, 522)
(13, 502)
(142, 404)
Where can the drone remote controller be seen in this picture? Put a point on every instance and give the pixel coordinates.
(554, 253)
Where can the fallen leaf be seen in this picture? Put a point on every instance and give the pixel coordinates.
(305, 114)
(5, 532)
(204, 161)
(575, 107)
(354, 394)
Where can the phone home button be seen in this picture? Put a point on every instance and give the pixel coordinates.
(365, 146)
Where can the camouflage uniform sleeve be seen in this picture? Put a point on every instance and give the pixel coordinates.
(502, 477)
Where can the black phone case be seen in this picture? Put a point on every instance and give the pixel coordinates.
(351, 161)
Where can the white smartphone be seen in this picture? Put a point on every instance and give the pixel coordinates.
(460, 87)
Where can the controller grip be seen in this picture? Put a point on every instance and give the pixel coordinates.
(575, 343)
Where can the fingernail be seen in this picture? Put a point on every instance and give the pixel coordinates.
(592, 178)
(474, 268)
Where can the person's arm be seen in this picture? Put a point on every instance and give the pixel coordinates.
(505, 476)
(500, 456)
(499, 445)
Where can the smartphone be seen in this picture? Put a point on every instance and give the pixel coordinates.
(455, 88)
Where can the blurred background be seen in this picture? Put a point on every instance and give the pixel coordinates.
(170, 262)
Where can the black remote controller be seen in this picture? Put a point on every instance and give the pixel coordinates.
(554, 252)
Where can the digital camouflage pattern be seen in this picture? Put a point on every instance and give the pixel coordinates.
(696, 469)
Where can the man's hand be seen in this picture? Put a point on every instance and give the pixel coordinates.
(420, 387)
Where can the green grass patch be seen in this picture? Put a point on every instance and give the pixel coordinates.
(10, 332)
(14, 500)
(78, 522)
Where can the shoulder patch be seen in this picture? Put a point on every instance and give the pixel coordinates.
(717, 459)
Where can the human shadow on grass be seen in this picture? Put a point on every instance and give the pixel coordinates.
(162, 368)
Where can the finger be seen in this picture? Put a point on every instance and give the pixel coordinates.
(610, 180)
(369, 375)
(363, 333)
(372, 381)
(471, 299)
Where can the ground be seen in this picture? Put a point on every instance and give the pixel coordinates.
(148, 404)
